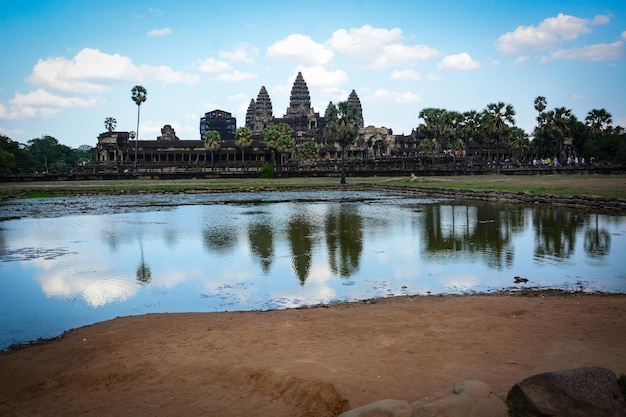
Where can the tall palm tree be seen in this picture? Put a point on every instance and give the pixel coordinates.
(599, 121)
(498, 120)
(139, 95)
(243, 139)
(562, 126)
(342, 125)
(434, 126)
(212, 141)
(109, 124)
(469, 131)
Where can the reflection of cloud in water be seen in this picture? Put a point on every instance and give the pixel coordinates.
(96, 291)
(459, 282)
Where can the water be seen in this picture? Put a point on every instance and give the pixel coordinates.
(68, 262)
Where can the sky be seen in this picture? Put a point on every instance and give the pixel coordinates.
(70, 64)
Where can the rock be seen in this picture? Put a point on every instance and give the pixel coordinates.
(465, 399)
(580, 392)
(382, 408)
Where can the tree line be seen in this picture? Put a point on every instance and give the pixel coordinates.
(558, 133)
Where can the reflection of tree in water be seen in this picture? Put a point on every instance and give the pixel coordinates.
(300, 235)
(481, 229)
(261, 240)
(597, 240)
(220, 239)
(144, 274)
(344, 239)
(555, 232)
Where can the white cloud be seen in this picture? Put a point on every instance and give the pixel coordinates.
(433, 77)
(160, 32)
(462, 61)
(402, 97)
(301, 49)
(212, 65)
(405, 75)
(550, 32)
(598, 52)
(624, 35)
(235, 76)
(243, 53)
(319, 77)
(378, 48)
(42, 98)
(92, 71)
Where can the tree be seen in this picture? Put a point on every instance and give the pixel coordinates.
(13, 156)
(278, 138)
(342, 125)
(518, 142)
(469, 131)
(434, 126)
(110, 123)
(45, 151)
(139, 95)
(212, 141)
(308, 151)
(243, 139)
(496, 120)
(599, 122)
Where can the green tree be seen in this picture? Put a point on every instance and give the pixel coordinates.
(212, 141)
(45, 151)
(519, 143)
(470, 128)
(139, 95)
(13, 156)
(434, 127)
(342, 126)
(278, 138)
(498, 120)
(599, 122)
(243, 139)
(110, 123)
(308, 151)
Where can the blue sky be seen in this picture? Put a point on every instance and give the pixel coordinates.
(70, 64)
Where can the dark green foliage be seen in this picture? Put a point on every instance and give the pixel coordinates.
(267, 170)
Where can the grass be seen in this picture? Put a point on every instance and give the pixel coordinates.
(609, 186)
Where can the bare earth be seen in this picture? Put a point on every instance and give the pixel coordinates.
(309, 362)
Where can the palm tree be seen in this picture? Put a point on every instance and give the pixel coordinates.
(342, 125)
(434, 126)
(212, 141)
(561, 125)
(497, 117)
(243, 139)
(599, 121)
(110, 123)
(139, 95)
(469, 131)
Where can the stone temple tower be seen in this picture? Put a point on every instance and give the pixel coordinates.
(300, 100)
(262, 112)
(354, 99)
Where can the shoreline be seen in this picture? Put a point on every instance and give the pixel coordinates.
(319, 360)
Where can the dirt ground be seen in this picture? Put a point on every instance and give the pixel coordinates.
(309, 362)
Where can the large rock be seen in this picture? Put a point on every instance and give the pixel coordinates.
(382, 408)
(465, 399)
(580, 392)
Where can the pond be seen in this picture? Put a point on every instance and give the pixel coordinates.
(72, 261)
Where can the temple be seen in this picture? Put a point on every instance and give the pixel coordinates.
(118, 148)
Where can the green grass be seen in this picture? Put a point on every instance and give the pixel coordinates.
(609, 186)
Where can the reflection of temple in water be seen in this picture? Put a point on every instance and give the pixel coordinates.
(118, 148)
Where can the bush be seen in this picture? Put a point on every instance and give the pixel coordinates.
(267, 170)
